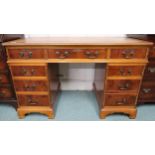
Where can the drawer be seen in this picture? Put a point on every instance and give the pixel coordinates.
(119, 100)
(33, 100)
(5, 93)
(77, 53)
(29, 85)
(114, 86)
(125, 70)
(152, 53)
(3, 65)
(150, 71)
(3, 79)
(147, 91)
(26, 53)
(28, 70)
(125, 53)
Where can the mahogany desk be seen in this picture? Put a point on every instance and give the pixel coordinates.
(119, 67)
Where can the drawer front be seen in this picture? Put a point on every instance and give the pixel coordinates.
(125, 53)
(152, 53)
(5, 93)
(3, 79)
(119, 100)
(29, 85)
(2, 66)
(122, 86)
(150, 71)
(77, 53)
(33, 100)
(147, 91)
(28, 70)
(125, 70)
(26, 53)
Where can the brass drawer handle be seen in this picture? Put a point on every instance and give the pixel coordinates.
(31, 101)
(123, 101)
(124, 86)
(21, 54)
(124, 72)
(28, 73)
(63, 55)
(151, 69)
(92, 55)
(25, 54)
(29, 88)
(146, 90)
(128, 54)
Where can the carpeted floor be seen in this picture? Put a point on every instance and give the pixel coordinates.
(78, 106)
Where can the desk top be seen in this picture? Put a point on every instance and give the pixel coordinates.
(106, 41)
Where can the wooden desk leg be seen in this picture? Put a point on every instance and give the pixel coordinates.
(22, 111)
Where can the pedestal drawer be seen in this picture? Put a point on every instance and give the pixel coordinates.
(4, 79)
(125, 70)
(114, 86)
(77, 53)
(28, 70)
(120, 99)
(150, 71)
(128, 53)
(147, 91)
(5, 93)
(26, 53)
(29, 85)
(33, 100)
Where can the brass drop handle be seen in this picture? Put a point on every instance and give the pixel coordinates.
(123, 72)
(92, 55)
(146, 90)
(32, 87)
(25, 54)
(125, 86)
(24, 71)
(127, 54)
(21, 54)
(123, 101)
(62, 55)
(30, 54)
(32, 71)
(31, 101)
(151, 69)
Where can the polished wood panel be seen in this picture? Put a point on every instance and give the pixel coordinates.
(113, 86)
(33, 100)
(26, 53)
(77, 53)
(28, 70)
(147, 91)
(113, 99)
(125, 70)
(31, 85)
(5, 93)
(3, 78)
(127, 53)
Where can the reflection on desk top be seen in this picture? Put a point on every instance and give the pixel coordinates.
(106, 41)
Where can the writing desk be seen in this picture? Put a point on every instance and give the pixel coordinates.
(119, 67)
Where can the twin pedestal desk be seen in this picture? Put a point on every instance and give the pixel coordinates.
(119, 67)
